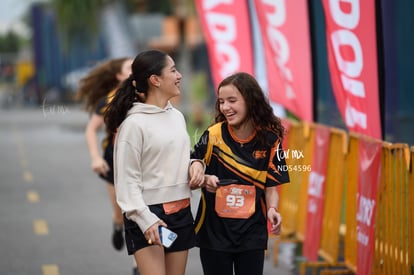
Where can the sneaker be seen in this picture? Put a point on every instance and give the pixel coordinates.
(118, 237)
(135, 271)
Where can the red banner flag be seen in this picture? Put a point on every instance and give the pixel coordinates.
(368, 182)
(316, 194)
(352, 55)
(226, 27)
(285, 33)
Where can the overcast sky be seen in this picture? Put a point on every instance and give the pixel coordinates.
(12, 12)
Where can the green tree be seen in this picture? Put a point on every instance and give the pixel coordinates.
(9, 43)
(77, 19)
(85, 20)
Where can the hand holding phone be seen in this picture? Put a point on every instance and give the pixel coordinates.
(167, 236)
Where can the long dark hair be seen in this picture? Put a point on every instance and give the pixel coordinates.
(135, 87)
(258, 107)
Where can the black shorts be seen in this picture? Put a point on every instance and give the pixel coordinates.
(181, 223)
(109, 158)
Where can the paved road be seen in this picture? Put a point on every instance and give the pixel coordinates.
(55, 217)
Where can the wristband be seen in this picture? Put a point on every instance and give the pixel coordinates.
(200, 161)
(274, 207)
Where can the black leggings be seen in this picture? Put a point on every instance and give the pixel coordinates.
(221, 263)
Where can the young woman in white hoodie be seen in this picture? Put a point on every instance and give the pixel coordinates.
(152, 164)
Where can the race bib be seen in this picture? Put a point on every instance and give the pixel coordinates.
(235, 201)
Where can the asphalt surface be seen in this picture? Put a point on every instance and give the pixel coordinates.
(55, 216)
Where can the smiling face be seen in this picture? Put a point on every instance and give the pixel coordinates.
(232, 105)
(169, 81)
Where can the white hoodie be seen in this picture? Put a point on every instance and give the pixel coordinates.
(151, 161)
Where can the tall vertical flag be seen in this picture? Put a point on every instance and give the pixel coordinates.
(286, 42)
(226, 27)
(352, 55)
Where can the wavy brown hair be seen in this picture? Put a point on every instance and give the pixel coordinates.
(258, 107)
(100, 82)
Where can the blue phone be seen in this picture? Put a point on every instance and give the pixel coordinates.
(167, 236)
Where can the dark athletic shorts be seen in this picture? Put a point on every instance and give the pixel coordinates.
(181, 223)
(109, 158)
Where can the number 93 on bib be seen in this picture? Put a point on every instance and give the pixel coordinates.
(236, 201)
